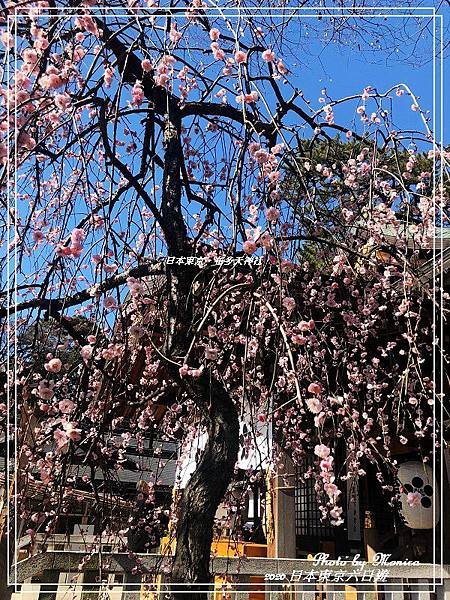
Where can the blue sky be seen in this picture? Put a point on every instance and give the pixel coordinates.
(346, 69)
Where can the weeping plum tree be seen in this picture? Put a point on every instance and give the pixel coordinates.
(229, 247)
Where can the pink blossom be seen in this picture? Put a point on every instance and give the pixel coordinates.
(266, 241)
(60, 436)
(72, 432)
(63, 101)
(326, 465)
(86, 352)
(75, 250)
(108, 353)
(261, 156)
(247, 98)
(66, 406)
(37, 235)
(51, 81)
(137, 94)
(45, 390)
(268, 56)
(332, 490)
(54, 365)
(78, 53)
(7, 39)
(135, 286)
(281, 68)
(252, 347)
(272, 214)
(240, 57)
(26, 141)
(314, 388)
(251, 97)
(174, 35)
(110, 268)
(184, 370)
(30, 57)
(136, 331)
(336, 512)
(289, 304)
(77, 236)
(274, 176)
(249, 247)
(110, 303)
(319, 419)
(277, 148)
(218, 53)
(147, 65)
(196, 372)
(108, 76)
(214, 34)
(314, 405)
(89, 24)
(162, 80)
(322, 451)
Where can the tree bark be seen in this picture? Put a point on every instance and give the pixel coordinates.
(204, 491)
(208, 484)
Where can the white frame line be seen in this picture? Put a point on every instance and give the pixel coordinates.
(233, 13)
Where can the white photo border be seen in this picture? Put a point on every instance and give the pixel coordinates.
(438, 117)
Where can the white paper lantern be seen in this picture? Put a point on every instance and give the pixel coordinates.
(417, 478)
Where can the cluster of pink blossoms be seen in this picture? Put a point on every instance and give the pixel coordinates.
(327, 479)
(76, 246)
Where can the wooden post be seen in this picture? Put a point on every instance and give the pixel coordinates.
(370, 535)
(282, 541)
(371, 544)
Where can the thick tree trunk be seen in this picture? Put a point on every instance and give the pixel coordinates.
(204, 491)
(206, 488)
